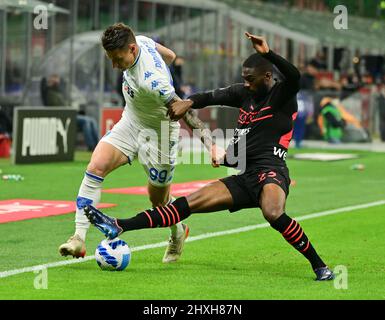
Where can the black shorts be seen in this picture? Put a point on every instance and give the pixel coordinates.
(246, 188)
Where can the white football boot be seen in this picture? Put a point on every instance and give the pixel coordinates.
(75, 247)
(175, 246)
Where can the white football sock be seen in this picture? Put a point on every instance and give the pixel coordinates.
(89, 193)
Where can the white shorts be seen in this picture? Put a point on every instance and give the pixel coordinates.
(156, 153)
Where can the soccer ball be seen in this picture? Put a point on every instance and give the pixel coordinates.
(113, 255)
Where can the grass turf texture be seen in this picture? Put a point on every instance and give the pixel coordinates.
(257, 264)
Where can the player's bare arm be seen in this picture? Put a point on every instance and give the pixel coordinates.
(218, 97)
(259, 43)
(177, 109)
(183, 108)
(217, 153)
(167, 54)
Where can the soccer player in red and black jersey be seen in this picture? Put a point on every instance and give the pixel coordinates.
(267, 110)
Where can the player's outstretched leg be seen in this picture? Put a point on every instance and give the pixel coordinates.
(212, 197)
(273, 204)
(151, 218)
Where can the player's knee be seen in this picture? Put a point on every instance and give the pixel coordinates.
(98, 169)
(198, 200)
(272, 212)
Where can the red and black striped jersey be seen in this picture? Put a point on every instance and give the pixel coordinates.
(265, 122)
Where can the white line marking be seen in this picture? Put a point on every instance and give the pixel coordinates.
(9, 273)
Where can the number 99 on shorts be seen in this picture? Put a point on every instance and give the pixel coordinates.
(162, 176)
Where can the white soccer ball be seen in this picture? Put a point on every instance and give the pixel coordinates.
(113, 255)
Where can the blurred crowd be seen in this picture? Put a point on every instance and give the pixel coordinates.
(323, 108)
(323, 101)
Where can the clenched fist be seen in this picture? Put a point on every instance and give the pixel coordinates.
(178, 109)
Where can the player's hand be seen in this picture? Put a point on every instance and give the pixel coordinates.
(217, 155)
(178, 109)
(259, 43)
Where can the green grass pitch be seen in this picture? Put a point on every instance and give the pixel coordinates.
(256, 264)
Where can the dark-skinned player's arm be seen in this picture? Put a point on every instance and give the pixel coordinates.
(219, 97)
(191, 119)
(289, 71)
(223, 96)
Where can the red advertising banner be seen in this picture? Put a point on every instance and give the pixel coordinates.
(108, 118)
(24, 209)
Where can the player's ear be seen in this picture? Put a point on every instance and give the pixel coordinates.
(268, 75)
(131, 47)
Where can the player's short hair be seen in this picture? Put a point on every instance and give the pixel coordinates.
(117, 36)
(258, 62)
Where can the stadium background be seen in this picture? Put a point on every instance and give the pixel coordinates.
(345, 65)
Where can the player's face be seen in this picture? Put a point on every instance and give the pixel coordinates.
(122, 59)
(256, 81)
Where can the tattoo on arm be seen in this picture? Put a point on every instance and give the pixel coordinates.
(194, 122)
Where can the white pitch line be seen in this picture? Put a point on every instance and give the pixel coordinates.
(9, 273)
